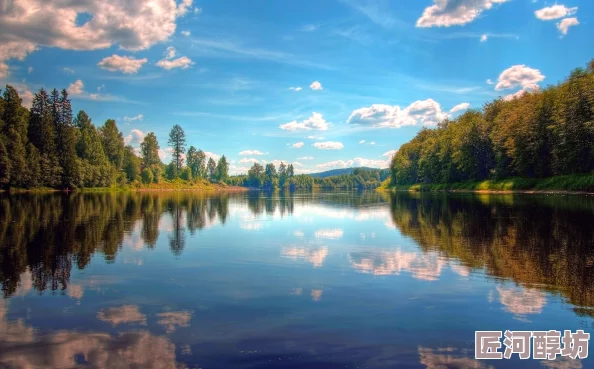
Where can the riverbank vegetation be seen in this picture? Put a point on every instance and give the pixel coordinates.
(269, 178)
(541, 140)
(48, 148)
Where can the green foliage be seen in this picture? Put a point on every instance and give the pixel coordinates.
(211, 169)
(540, 134)
(131, 164)
(186, 174)
(113, 143)
(147, 176)
(222, 170)
(171, 171)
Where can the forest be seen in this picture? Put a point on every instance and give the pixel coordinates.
(268, 178)
(48, 147)
(539, 134)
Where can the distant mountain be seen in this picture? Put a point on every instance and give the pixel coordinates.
(337, 172)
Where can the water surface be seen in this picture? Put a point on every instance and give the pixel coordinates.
(324, 280)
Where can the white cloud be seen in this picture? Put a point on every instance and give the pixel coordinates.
(133, 25)
(519, 76)
(297, 89)
(489, 82)
(564, 25)
(131, 119)
(306, 158)
(134, 138)
(315, 137)
(76, 87)
(460, 107)
(390, 154)
(184, 63)
(249, 160)
(169, 63)
(484, 38)
(426, 112)
(361, 142)
(165, 154)
(185, 33)
(555, 12)
(24, 93)
(446, 13)
(251, 152)
(316, 122)
(124, 64)
(68, 70)
(357, 162)
(30, 70)
(315, 85)
(328, 145)
(521, 92)
(298, 145)
(372, 143)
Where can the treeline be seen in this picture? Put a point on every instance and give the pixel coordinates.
(268, 178)
(540, 134)
(47, 146)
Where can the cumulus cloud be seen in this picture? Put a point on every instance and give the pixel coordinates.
(555, 12)
(298, 145)
(427, 112)
(390, 154)
(328, 145)
(135, 137)
(134, 25)
(251, 152)
(295, 89)
(489, 82)
(460, 107)
(248, 160)
(76, 87)
(357, 162)
(521, 93)
(168, 62)
(315, 85)
(124, 64)
(132, 119)
(315, 122)
(564, 25)
(519, 76)
(446, 13)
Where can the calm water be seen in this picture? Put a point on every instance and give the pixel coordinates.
(329, 280)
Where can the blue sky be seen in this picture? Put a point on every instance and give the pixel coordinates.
(321, 84)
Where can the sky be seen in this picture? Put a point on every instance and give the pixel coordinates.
(320, 84)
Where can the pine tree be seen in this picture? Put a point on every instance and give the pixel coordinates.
(66, 134)
(177, 141)
(15, 131)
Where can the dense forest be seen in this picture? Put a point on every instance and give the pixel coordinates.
(269, 178)
(545, 133)
(46, 146)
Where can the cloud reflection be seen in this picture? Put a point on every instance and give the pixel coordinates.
(522, 301)
(423, 266)
(171, 320)
(435, 359)
(329, 233)
(125, 314)
(315, 256)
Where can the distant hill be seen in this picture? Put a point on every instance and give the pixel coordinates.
(337, 172)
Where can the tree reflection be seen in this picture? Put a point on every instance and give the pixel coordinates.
(48, 234)
(541, 242)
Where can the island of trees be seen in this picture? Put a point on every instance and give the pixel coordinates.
(540, 140)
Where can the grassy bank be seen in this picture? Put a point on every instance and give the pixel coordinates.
(568, 183)
(176, 185)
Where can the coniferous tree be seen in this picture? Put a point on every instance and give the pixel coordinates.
(66, 139)
(177, 141)
(131, 164)
(14, 117)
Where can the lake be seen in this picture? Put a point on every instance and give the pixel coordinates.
(256, 280)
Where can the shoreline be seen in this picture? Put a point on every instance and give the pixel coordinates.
(495, 192)
(217, 188)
